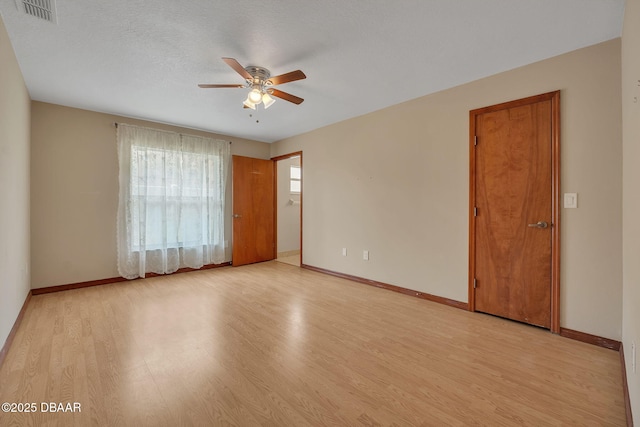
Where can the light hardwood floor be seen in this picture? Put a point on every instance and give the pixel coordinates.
(272, 344)
(291, 260)
(289, 257)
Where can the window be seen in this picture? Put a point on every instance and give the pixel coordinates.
(295, 176)
(172, 191)
(172, 198)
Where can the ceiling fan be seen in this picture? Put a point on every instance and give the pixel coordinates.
(259, 80)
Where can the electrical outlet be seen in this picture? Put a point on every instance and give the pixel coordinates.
(344, 251)
(365, 255)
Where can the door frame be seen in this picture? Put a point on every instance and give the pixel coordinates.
(275, 198)
(554, 97)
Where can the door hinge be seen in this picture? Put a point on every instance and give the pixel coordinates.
(475, 211)
(475, 140)
(475, 283)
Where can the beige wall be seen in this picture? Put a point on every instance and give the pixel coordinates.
(74, 191)
(631, 195)
(288, 215)
(14, 187)
(395, 182)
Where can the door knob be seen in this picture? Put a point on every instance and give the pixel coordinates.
(237, 216)
(539, 224)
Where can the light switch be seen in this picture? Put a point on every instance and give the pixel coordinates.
(570, 200)
(344, 251)
(365, 255)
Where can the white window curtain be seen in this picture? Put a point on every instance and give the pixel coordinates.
(172, 201)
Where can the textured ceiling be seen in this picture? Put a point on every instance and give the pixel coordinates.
(144, 59)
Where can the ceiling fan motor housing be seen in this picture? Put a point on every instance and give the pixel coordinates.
(260, 75)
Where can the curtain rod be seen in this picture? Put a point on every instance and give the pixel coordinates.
(162, 130)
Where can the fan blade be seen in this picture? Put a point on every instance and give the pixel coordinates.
(288, 77)
(239, 68)
(286, 96)
(218, 86)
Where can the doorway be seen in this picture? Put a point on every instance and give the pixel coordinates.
(288, 208)
(514, 241)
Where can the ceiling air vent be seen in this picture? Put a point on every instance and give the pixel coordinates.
(43, 9)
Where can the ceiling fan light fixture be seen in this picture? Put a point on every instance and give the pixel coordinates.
(247, 103)
(267, 100)
(255, 96)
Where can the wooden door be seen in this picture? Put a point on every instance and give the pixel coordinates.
(515, 218)
(253, 210)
